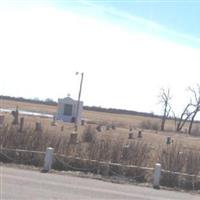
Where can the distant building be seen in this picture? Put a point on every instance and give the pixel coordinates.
(67, 110)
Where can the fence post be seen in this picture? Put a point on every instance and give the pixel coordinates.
(48, 160)
(156, 177)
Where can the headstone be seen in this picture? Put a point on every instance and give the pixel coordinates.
(139, 134)
(21, 124)
(15, 115)
(99, 129)
(73, 119)
(107, 127)
(130, 136)
(168, 140)
(2, 118)
(38, 126)
(82, 122)
(53, 123)
(113, 127)
(73, 138)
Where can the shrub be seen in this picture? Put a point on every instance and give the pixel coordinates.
(149, 125)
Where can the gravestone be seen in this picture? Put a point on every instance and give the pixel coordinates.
(113, 127)
(139, 134)
(21, 124)
(82, 122)
(168, 141)
(99, 128)
(69, 110)
(73, 138)
(15, 114)
(107, 127)
(38, 126)
(53, 123)
(2, 118)
(130, 136)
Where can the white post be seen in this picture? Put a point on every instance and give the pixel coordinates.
(48, 160)
(156, 178)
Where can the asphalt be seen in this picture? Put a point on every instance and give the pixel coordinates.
(32, 184)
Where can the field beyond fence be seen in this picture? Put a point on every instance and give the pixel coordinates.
(134, 160)
(107, 147)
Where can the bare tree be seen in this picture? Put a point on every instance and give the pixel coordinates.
(195, 104)
(165, 98)
(185, 115)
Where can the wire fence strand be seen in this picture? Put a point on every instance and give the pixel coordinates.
(68, 165)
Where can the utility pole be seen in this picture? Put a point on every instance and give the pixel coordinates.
(78, 105)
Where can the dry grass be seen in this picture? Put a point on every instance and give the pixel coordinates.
(178, 159)
(110, 145)
(28, 106)
(120, 121)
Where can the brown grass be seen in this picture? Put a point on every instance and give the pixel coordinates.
(108, 145)
(120, 121)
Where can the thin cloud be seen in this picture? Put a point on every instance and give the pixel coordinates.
(144, 22)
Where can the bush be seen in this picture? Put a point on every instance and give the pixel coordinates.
(149, 125)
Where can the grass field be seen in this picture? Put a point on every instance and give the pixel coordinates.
(110, 145)
(121, 120)
(122, 123)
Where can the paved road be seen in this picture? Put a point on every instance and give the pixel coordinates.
(26, 184)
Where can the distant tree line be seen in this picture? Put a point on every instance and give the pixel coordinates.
(50, 102)
(119, 111)
(35, 100)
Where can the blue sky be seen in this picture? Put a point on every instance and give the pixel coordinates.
(178, 17)
(127, 50)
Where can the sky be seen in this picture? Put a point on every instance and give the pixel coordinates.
(128, 51)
